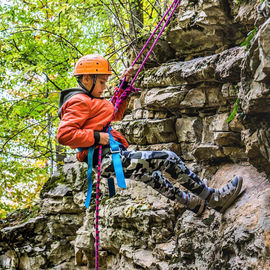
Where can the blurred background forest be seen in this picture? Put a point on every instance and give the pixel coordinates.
(40, 42)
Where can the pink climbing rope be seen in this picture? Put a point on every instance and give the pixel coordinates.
(145, 45)
(155, 42)
(117, 101)
(97, 209)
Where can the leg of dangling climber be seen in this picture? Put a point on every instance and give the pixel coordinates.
(169, 162)
(162, 185)
(143, 162)
(150, 161)
(166, 188)
(138, 170)
(218, 199)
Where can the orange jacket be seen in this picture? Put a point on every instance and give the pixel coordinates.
(81, 115)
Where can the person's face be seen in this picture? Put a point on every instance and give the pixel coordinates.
(100, 84)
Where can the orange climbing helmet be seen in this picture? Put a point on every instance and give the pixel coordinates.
(92, 64)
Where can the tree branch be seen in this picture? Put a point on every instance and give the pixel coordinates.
(20, 131)
(26, 28)
(47, 77)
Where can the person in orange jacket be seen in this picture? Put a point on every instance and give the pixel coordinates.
(85, 113)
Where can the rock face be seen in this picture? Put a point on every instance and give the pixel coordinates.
(255, 98)
(184, 106)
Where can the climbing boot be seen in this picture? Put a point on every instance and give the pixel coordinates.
(222, 198)
(195, 204)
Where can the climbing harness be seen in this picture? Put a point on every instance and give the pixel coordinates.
(116, 100)
(117, 164)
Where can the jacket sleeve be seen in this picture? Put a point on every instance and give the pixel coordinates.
(70, 131)
(122, 108)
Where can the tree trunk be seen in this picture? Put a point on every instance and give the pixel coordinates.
(136, 17)
(60, 155)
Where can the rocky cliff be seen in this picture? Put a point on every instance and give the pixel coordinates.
(197, 77)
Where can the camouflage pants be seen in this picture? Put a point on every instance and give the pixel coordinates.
(149, 167)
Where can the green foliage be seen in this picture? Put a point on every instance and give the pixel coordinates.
(20, 184)
(40, 42)
(250, 36)
(240, 1)
(234, 112)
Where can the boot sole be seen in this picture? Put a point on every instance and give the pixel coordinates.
(236, 193)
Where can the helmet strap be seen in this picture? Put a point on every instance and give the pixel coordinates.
(94, 84)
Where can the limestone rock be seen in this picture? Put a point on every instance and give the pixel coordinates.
(227, 138)
(212, 125)
(229, 63)
(222, 67)
(257, 147)
(246, 13)
(202, 27)
(178, 99)
(236, 154)
(64, 206)
(195, 98)
(60, 251)
(31, 263)
(157, 147)
(9, 260)
(236, 125)
(164, 98)
(187, 151)
(165, 250)
(189, 129)
(60, 187)
(64, 225)
(208, 152)
(58, 192)
(229, 91)
(19, 231)
(254, 92)
(149, 132)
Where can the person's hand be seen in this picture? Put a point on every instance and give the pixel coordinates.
(128, 73)
(104, 138)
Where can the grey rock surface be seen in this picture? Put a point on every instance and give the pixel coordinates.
(185, 106)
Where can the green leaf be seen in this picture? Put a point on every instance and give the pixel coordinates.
(249, 37)
(234, 112)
